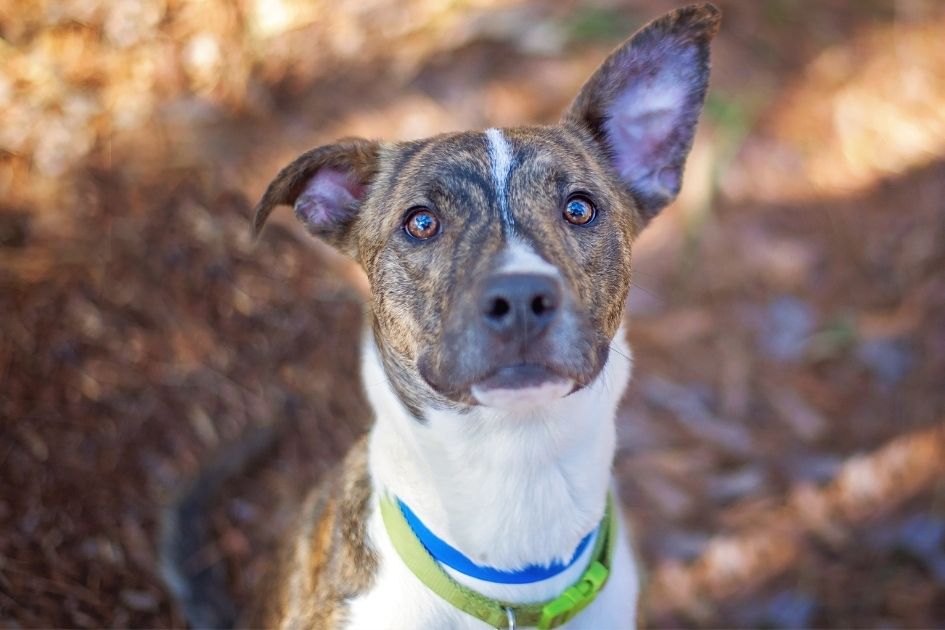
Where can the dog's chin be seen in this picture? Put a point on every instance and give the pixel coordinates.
(521, 387)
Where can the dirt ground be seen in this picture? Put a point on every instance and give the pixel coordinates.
(782, 445)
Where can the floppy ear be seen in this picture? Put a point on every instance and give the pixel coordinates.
(326, 187)
(643, 103)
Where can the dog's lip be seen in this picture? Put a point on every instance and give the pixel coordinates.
(462, 392)
(521, 386)
(519, 376)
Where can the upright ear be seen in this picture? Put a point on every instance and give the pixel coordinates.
(326, 186)
(643, 103)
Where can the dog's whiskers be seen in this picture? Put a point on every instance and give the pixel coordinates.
(618, 351)
(653, 294)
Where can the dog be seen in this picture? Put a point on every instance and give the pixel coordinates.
(499, 263)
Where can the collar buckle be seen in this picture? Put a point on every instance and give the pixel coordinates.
(575, 598)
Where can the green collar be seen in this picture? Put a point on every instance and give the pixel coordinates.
(550, 614)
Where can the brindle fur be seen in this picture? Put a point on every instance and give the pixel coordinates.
(450, 174)
(695, 25)
(328, 560)
(421, 291)
(353, 155)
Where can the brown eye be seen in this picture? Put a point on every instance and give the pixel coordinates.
(422, 224)
(579, 210)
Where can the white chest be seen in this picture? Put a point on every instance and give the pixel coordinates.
(506, 489)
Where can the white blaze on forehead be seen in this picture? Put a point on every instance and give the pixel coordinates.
(500, 158)
(519, 257)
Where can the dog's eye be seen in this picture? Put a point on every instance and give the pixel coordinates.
(579, 210)
(422, 224)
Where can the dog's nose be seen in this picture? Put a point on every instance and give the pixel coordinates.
(520, 304)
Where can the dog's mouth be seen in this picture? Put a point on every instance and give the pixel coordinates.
(519, 385)
(522, 385)
(517, 382)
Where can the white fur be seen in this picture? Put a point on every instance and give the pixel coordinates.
(506, 488)
(519, 257)
(500, 156)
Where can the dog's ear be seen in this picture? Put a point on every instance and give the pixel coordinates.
(643, 103)
(326, 186)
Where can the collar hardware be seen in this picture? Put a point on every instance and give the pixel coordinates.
(502, 615)
(575, 598)
(510, 615)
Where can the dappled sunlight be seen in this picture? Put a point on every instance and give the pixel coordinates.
(780, 447)
(865, 487)
(864, 110)
(76, 74)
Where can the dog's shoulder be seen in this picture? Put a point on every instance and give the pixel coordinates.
(324, 561)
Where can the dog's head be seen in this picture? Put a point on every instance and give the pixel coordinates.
(499, 261)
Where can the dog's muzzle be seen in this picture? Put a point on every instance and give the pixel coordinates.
(519, 340)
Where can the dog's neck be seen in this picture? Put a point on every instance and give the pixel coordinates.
(508, 489)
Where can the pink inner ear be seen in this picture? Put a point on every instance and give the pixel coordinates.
(638, 135)
(329, 198)
(652, 120)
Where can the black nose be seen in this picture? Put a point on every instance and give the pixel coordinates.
(520, 304)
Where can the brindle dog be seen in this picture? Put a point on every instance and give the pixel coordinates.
(499, 264)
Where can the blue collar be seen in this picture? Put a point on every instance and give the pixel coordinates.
(449, 556)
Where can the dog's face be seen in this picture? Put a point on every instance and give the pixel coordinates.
(499, 261)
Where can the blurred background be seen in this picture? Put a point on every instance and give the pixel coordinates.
(781, 448)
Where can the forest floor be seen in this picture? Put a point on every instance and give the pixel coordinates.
(780, 446)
